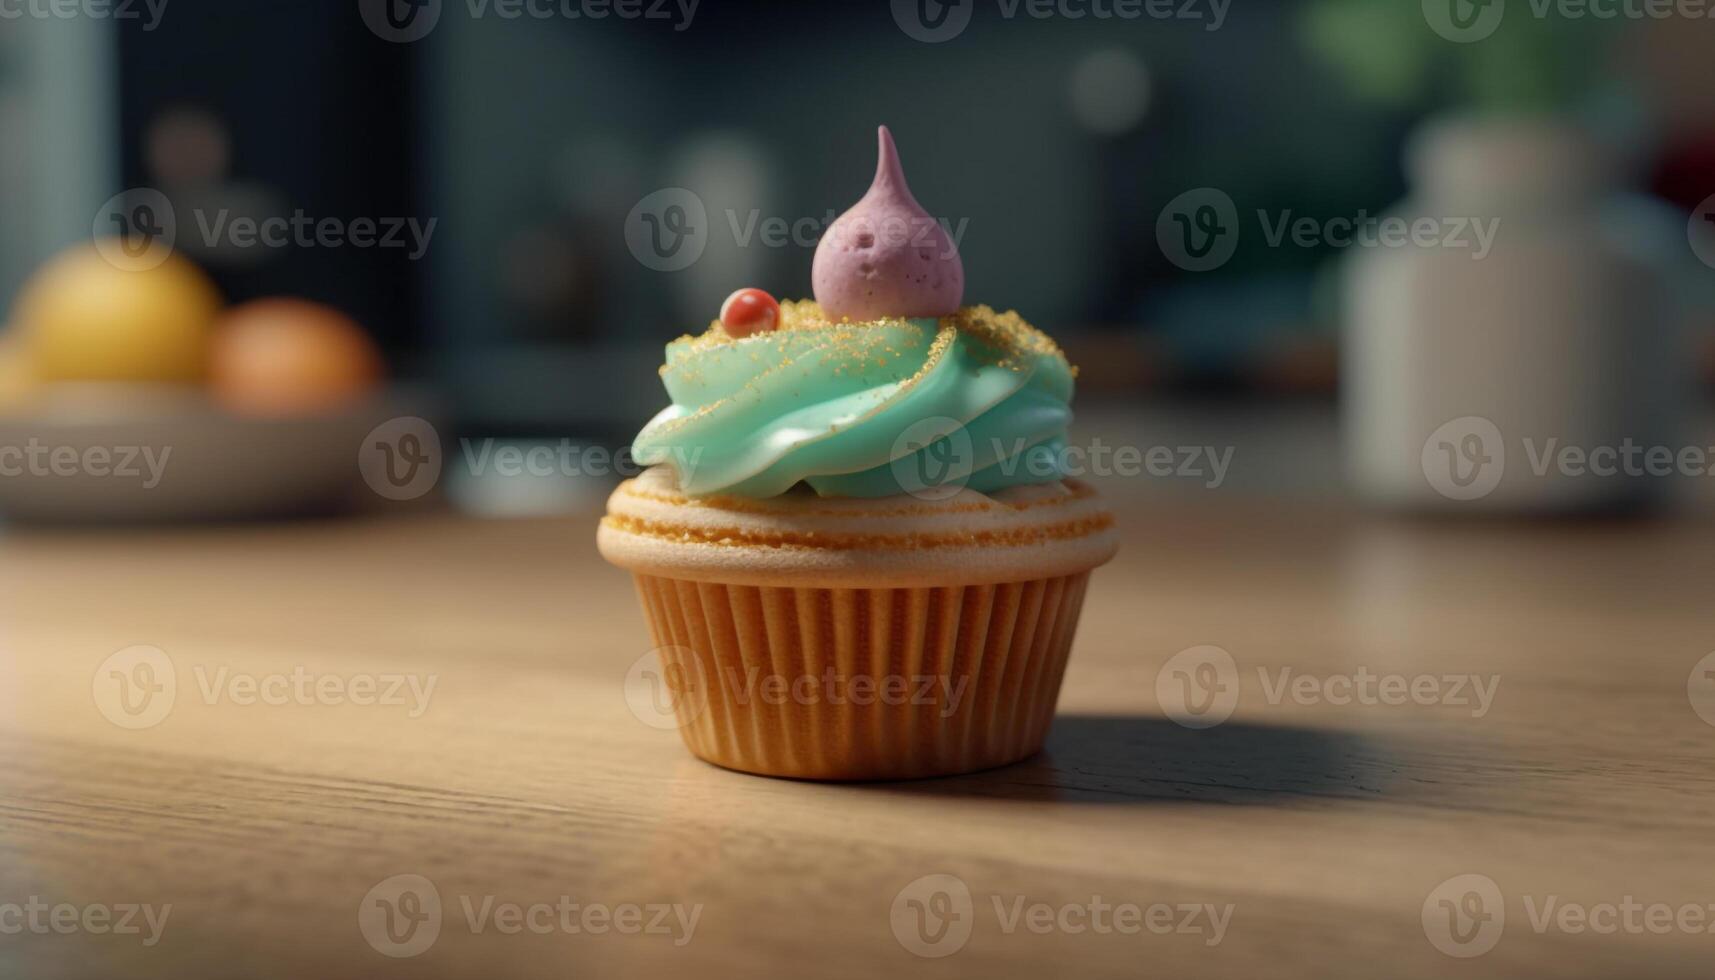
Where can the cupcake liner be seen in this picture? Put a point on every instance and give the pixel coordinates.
(856, 683)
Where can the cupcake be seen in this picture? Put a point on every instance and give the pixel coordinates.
(855, 544)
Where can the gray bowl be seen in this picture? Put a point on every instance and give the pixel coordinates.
(111, 453)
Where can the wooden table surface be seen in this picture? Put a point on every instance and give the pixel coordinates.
(1307, 835)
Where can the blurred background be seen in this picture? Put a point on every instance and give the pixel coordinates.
(486, 181)
(324, 325)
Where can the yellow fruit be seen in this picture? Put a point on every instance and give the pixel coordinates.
(84, 319)
(16, 378)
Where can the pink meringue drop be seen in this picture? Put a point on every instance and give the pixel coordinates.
(886, 257)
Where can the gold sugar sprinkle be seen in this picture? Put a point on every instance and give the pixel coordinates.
(1010, 339)
(834, 541)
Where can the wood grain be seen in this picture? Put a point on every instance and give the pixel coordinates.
(526, 778)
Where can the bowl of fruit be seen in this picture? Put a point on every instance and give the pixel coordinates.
(135, 394)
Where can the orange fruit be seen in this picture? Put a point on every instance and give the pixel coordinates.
(290, 357)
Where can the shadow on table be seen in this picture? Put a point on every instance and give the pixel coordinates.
(1139, 760)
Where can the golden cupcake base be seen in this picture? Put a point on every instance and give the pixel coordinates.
(863, 683)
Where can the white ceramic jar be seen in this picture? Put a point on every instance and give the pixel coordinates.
(1476, 377)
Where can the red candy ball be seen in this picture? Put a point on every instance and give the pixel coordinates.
(749, 311)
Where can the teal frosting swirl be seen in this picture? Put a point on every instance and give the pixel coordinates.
(863, 409)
